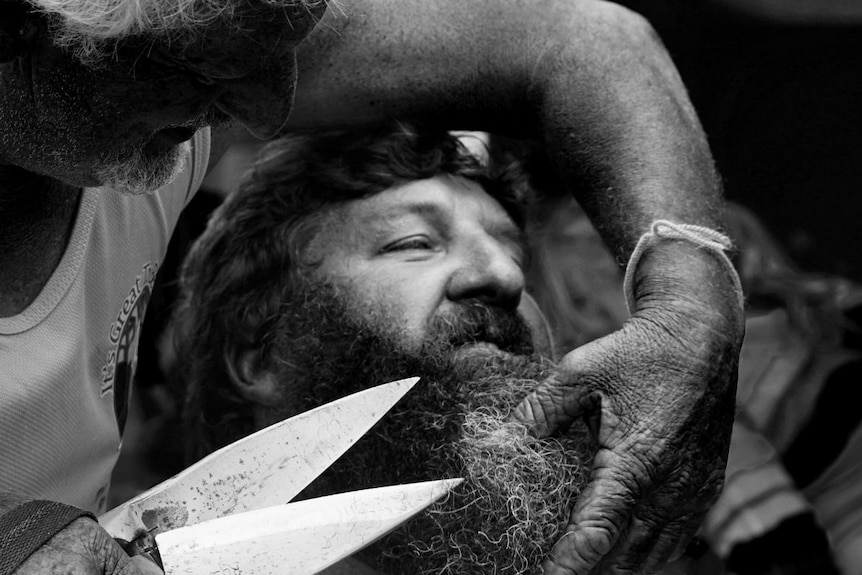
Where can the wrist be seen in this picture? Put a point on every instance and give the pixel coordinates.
(28, 526)
(688, 279)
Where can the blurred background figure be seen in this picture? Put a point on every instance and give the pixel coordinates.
(793, 498)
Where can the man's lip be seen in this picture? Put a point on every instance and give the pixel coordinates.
(478, 349)
(174, 135)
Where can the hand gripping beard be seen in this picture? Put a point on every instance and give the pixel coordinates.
(518, 489)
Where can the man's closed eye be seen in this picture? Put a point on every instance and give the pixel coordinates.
(412, 243)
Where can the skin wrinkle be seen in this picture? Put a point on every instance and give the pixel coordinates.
(642, 541)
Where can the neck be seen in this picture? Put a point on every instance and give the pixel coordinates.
(37, 214)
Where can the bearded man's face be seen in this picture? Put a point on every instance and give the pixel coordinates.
(476, 363)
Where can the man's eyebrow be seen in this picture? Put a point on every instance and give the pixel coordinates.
(424, 208)
(505, 230)
(379, 223)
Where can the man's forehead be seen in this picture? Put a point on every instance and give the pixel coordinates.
(441, 197)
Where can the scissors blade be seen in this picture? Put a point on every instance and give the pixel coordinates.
(297, 538)
(266, 468)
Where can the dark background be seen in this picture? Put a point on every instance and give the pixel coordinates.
(778, 87)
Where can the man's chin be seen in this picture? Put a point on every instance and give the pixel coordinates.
(144, 171)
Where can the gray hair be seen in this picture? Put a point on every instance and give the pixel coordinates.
(85, 27)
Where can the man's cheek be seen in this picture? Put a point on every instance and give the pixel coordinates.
(394, 320)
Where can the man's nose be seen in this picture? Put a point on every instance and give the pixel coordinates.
(260, 101)
(490, 274)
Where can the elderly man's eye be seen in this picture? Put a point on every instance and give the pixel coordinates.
(406, 244)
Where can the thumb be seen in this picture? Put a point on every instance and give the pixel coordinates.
(595, 524)
(561, 398)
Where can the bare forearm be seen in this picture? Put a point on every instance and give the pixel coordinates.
(636, 151)
(589, 79)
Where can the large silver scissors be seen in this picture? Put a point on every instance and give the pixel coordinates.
(230, 512)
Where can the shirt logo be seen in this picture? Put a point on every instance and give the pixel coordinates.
(121, 360)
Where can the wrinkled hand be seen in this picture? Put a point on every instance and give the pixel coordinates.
(84, 548)
(658, 396)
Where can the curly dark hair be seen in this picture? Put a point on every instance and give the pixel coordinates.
(249, 258)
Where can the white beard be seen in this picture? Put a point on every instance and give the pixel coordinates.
(141, 173)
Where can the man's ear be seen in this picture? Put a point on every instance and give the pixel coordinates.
(252, 376)
(18, 29)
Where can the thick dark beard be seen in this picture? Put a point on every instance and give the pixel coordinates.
(518, 491)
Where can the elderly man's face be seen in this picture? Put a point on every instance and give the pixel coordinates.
(425, 280)
(123, 121)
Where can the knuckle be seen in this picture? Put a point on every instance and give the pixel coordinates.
(579, 550)
(105, 552)
(595, 540)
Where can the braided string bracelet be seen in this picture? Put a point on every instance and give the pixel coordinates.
(29, 526)
(703, 237)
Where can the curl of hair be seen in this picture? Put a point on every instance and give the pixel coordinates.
(90, 27)
(250, 256)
